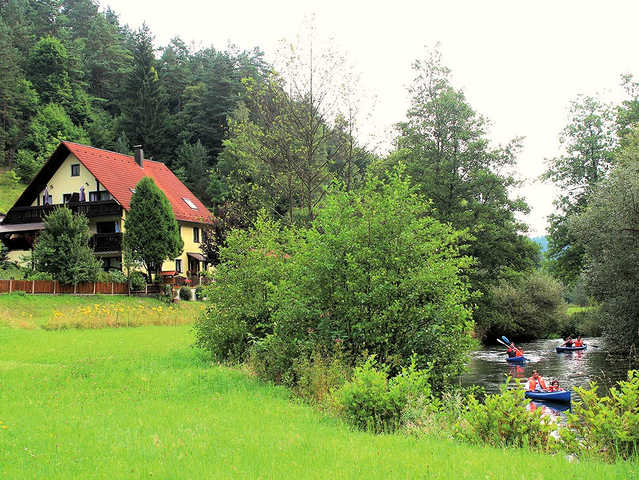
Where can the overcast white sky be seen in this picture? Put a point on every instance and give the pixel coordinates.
(519, 63)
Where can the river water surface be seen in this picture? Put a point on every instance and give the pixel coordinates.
(488, 366)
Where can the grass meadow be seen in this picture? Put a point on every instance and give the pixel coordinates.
(57, 312)
(121, 403)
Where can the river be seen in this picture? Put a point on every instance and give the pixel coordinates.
(488, 366)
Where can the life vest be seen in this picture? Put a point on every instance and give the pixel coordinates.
(514, 352)
(579, 343)
(532, 383)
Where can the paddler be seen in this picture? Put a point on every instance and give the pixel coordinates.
(568, 342)
(536, 383)
(579, 342)
(514, 351)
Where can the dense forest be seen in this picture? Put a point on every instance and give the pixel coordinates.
(247, 137)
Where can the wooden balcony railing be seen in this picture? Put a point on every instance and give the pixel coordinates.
(104, 208)
(106, 242)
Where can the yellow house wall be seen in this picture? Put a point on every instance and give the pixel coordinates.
(62, 182)
(190, 246)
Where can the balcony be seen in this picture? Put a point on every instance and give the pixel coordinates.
(106, 242)
(104, 208)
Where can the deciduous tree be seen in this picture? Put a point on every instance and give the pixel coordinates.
(589, 141)
(608, 229)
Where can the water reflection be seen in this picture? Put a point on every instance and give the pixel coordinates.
(488, 366)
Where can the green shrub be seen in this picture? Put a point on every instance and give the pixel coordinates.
(503, 419)
(12, 272)
(199, 293)
(103, 276)
(252, 265)
(376, 271)
(185, 293)
(318, 375)
(525, 306)
(272, 359)
(436, 415)
(33, 275)
(221, 335)
(365, 402)
(137, 281)
(4, 256)
(370, 401)
(117, 276)
(605, 426)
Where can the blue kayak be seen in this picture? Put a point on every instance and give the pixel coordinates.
(521, 359)
(571, 349)
(557, 397)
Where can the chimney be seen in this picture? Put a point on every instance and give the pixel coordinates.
(139, 155)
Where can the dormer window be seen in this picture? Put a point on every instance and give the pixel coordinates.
(75, 170)
(189, 203)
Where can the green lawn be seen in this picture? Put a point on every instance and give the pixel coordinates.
(141, 403)
(9, 191)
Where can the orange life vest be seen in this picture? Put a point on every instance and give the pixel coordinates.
(532, 383)
(579, 343)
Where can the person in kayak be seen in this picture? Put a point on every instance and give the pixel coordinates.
(514, 351)
(536, 383)
(554, 386)
(579, 342)
(568, 342)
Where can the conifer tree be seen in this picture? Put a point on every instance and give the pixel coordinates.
(151, 232)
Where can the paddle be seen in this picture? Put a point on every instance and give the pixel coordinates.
(506, 345)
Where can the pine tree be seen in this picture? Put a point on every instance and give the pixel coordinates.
(151, 232)
(144, 112)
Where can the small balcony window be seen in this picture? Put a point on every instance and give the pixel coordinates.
(99, 196)
(75, 170)
(66, 198)
(196, 235)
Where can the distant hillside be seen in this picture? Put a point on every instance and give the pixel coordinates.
(9, 191)
(543, 243)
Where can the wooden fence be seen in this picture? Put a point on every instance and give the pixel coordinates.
(54, 287)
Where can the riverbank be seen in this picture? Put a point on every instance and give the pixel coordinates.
(140, 402)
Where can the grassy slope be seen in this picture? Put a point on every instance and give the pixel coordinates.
(9, 192)
(131, 403)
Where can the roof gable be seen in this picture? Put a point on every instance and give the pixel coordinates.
(119, 174)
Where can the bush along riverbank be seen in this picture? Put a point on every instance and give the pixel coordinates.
(367, 313)
(599, 427)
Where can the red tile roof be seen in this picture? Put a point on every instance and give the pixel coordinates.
(119, 174)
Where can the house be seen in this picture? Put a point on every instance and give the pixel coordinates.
(99, 183)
